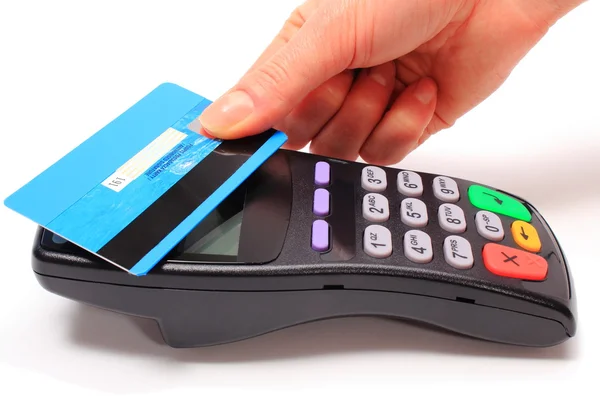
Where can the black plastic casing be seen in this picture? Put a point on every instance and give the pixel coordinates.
(208, 303)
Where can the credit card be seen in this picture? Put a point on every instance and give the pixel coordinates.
(132, 191)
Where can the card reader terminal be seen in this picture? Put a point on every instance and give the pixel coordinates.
(308, 238)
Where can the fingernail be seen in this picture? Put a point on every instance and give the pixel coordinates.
(195, 126)
(376, 74)
(424, 92)
(226, 112)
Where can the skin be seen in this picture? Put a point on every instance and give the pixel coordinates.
(377, 78)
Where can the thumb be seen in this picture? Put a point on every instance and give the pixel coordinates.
(270, 90)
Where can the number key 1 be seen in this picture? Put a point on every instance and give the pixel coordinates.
(377, 241)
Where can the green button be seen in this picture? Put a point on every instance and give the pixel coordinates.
(494, 201)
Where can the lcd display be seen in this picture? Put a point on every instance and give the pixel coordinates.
(223, 240)
(219, 233)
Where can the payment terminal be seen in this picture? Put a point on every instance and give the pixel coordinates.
(308, 238)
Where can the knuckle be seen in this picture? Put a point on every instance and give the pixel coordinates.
(408, 128)
(368, 109)
(296, 19)
(363, 39)
(270, 77)
(438, 123)
(292, 24)
(330, 98)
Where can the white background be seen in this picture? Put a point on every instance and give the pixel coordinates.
(69, 67)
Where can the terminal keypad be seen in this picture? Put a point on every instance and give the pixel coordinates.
(415, 243)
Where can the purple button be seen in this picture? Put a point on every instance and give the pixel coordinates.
(321, 202)
(322, 173)
(320, 236)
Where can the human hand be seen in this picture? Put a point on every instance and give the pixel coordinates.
(376, 78)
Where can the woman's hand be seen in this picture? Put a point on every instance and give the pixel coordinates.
(376, 78)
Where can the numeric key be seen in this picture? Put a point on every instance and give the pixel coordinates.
(377, 241)
(417, 247)
(458, 252)
(373, 179)
(489, 225)
(446, 189)
(410, 184)
(413, 212)
(376, 208)
(452, 218)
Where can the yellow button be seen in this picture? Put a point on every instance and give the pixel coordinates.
(526, 236)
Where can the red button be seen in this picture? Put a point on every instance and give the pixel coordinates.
(514, 263)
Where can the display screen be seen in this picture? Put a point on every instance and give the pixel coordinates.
(222, 240)
(219, 233)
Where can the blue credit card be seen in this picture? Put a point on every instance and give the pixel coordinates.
(132, 191)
